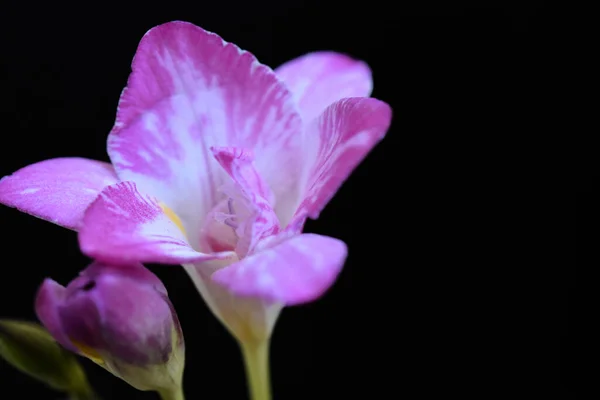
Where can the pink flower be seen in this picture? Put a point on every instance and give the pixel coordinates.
(217, 161)
(121, 318)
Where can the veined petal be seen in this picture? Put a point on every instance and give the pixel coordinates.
(190, 90)
(124, 226)
(294, 271)
(318, 79)
(57, 190)
(252, 199)
(339, 140)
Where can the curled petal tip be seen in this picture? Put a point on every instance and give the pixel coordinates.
(49, 298)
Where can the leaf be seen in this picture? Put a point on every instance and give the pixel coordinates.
(32, 350)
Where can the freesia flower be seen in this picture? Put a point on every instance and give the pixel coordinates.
(217, 161)
(121, 318)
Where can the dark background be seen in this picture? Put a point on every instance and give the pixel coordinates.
(435, 296)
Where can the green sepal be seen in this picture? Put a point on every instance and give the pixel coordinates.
(32, 350)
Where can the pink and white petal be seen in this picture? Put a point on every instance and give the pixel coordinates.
(295, 271)
(190, 90)
(251, 199)
(57, 190)
(318, 79)
(339, 140)
(246, 318)
(124, 226)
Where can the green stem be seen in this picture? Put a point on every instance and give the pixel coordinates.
(83, 391)
(172, 394)
(256, 358)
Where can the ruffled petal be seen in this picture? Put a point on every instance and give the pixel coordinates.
(190, 90)
(339, 140)
(124, 226)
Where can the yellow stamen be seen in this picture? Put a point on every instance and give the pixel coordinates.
(89, 352)
(172, 216)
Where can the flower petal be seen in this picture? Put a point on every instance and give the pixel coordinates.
(124, 226)
(318, 79)
(343, 136)
(190, 90)
(136, 272)
(251, 196)
(295, 271)
(49, 298)
(248, 319)
(57, 190)
(122, 318)
(81, 319)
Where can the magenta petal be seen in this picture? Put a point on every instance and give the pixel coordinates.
(136, 272)
(190, 90)
(124, 226)
(117, 313)
(80, 315)
(318, 79)
(252, 199)
(110, 310)
(48, 301)
(57, 190)
(295, 271)
(343, 136)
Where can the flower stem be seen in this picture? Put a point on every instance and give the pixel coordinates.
(83, 391)
(176, 394)
(256, 358)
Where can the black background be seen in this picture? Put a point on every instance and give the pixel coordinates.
(434, 297)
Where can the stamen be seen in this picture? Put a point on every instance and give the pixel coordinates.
(230, 206)
(231, 222)
(229, 218)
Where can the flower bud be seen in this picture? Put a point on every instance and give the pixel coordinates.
(121, 318)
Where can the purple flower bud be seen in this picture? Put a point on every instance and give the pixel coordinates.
(119, 317)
